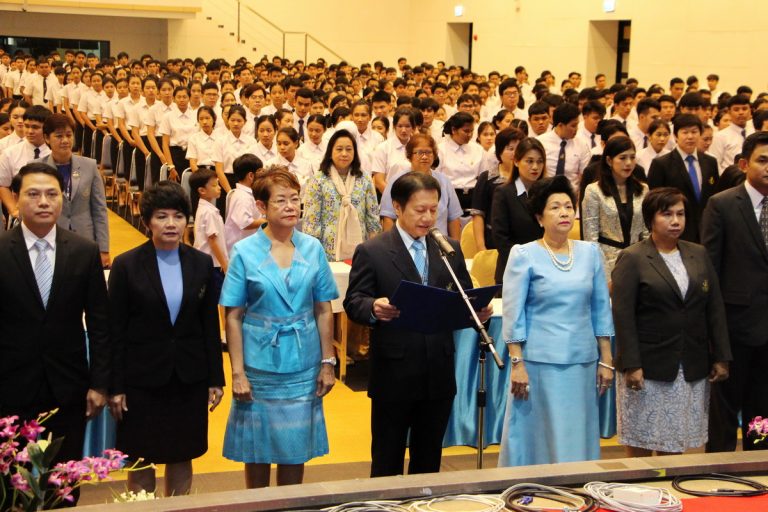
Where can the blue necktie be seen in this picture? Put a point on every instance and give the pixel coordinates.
(43, 271)
(420, 259)
(560, 169)
(694, 177)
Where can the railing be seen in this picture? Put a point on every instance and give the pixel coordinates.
(246, 23)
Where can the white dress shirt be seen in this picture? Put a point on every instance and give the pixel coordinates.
(230, 147)
(312, 152)
(16, 157)
(154, 115)
(756, 198)
(645, 156)
(300, 167)
(208, 222)
(29, 240)
(389, 158)
(202, 147)
(9, 141)
(40, 91)
(179, 126)
(241, 213)
(695, 156)
(639, 138)
(577, 156)
(727, 143)
(462, 164)
(367, 142)
(264, 154)
(586, 137)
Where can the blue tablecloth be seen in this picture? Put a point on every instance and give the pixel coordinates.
(462, 425)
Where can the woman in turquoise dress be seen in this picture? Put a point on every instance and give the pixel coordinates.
(279, 329)
(340, 202)
(557, 325)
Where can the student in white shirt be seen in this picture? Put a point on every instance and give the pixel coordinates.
(648, 110)
(365, 137)
(266, 127)
(727, 142)
(565, 154)
(109, 106)
(304, 99)
(622, 106)
(592, 112)
(16, 118)
(313, 148)
(658, 136)
(234, 144)
(277, 98)
(39, 84)
(152, 119)
(254, 95)
(209, 226)
(287, 142)
(121, 113)
(15, 157)
(460, 158)
(242, 218)
(5, 126)
(509, 92)
(202, 145)
(389, 158)
(88, 107)
(176, 127)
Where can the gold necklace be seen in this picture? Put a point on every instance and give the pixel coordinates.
(564, 266)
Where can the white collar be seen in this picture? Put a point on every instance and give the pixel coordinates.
(685, 155)
(244, 188)
(408, 239)
(207, 204)
(520, 187)
(30, 238)
(754, 195)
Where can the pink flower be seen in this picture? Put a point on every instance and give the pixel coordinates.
(759, 426)
(19, 483)
(66, 494)
(9, 431)
(31, 430)
(22, 456)
(57, 479)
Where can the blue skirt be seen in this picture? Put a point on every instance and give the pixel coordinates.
(560, 420)
(284, 424)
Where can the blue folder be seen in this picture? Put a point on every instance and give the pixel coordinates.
(430, 310)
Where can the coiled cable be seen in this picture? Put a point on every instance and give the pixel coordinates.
(519, 498)
(757, 489)
(604, 494)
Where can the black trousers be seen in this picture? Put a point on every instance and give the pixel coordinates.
(391, 423)
(179, 157)
(745, 391)
(465, 197)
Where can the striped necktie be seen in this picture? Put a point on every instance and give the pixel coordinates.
(43, 270)
(764, 220)
(420, 259)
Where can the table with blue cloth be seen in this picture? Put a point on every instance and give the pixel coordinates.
(462, 425)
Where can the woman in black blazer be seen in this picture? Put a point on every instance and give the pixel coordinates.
(671, 334)
(512, 222)
(167, 366)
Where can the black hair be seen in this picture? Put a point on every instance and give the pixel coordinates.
(504, 137)
(39, 168)
(211, 112)
(163, 195)
(659, 200)
(565, 113)
(686, 121)
(751, 142)
(605, 179)
(268, 119)
(655, 125)
(244, 164)
(646, 104)
(200, 178)
(608, 127)
(411, 182)
(499, 117)
(539, 192)
(290, 131)
(538, 108)
(520, 124)
(738, 99)
(592, 106)
(456, 121)
(526, 145)
(691, 100)
(327, 161)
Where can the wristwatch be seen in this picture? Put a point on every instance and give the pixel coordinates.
(329, 360)
(515, 360)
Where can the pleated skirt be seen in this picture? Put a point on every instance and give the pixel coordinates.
(283, 424)
(560, 420)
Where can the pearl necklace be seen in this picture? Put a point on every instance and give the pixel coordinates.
(564, 266)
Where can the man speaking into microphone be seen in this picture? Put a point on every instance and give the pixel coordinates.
(412, 382)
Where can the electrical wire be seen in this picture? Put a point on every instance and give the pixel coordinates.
(604, 493)
(368, 506)
(757, 489)
(491, 503)
(518, 498)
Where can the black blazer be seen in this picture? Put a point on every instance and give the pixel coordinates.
(38, 344)
(405, 365)
(656, 327)
(671, 171)
(732, 177)
(148, 348)
(513, 223)
(733, 239)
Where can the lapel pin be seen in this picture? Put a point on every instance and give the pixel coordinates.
(75, 174)
(202, 292)
(711, 180)
(705, 286)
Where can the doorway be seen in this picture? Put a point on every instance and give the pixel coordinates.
(608, 49)
(38, 46)
(459, 50)
(622, 53)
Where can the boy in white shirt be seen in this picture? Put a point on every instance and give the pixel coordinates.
(242, 216)
(209, 226)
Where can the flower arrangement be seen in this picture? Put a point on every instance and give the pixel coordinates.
(28, 480)
(759, 427)
(129, 496)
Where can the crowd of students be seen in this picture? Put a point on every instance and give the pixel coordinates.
(347, 134)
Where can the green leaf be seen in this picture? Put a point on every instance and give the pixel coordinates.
(35, 455)
(36, 491)
(51, 452)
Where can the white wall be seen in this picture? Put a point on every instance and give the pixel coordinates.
(133, 35)
(669, 38)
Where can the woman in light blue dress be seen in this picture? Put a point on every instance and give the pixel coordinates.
(557, 325)
(279, 329)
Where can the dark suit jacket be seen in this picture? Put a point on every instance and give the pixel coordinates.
(671, 171)
(405, 365)
(732, 177)
(733, 239)
(656, 327)
(39, 344)
(148, 348)
(513, 223)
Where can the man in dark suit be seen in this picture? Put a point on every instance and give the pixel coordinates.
(49, 278)
(735, 233)
(412, 382)
(687, 169)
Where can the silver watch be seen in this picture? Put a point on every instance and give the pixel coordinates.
(329, 360)
(515, 360)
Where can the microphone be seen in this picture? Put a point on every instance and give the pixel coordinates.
(441, 241)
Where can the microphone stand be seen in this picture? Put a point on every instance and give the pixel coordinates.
(485, 345)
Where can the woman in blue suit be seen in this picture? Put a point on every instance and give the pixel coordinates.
(279, 332)
(557, 325)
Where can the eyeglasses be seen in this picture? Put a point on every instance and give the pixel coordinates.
(424, 153)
